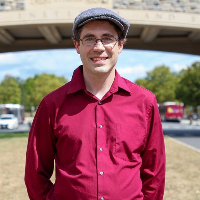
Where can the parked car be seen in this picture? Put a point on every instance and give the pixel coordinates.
(8, 121)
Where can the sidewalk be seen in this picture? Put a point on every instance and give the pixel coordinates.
(28, 120)
(187, 121)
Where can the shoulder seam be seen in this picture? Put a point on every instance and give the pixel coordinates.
(138, 86)
(65, 85)
(45, 98)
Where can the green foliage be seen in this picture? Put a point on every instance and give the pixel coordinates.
(161, 82)
(13, 135)
(10, 91)
(29, 87)
(29, 92)
(39, 86)
(24, 100)
(188, 89)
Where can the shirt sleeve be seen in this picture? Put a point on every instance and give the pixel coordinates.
(153, 157)
(40, 155)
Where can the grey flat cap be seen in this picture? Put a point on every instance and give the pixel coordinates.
(100, 13)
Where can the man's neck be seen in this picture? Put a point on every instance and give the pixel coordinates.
(99, 84)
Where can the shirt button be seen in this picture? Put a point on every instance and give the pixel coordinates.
(101, 173)
(102, 198)
(100, 103)
(100, 149)
(100, 126)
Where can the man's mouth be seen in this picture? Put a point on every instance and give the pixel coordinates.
(99, 58)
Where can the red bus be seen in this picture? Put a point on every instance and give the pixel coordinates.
(171, 111)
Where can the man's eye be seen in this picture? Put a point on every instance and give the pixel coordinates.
(107, 39)
(89, 39)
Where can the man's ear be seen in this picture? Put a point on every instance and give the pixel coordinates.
(121, 45)
(76, 44)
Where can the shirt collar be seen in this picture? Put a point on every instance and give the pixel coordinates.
(119, 82)
(77, 82)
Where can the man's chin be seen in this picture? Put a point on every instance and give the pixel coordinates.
(101, 69)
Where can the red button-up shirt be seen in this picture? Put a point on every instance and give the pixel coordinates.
(109, 149)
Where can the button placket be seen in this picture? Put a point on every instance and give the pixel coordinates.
(100, 125)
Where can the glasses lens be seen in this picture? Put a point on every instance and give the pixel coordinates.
(89, 41)
(108, 40)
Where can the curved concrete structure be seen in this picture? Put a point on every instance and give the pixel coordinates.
(47, 24)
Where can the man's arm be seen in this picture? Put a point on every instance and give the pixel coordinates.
(153, 158)
(40, 155)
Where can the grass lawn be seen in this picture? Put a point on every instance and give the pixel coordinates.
(182, 177)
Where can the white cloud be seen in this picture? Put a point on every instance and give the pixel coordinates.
(132, 73)
(54, 60)
(178, 67)
(15, 72)
(132, 70)
(8, 58)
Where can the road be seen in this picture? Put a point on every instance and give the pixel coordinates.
(181, 129)
(183, 132)
(22, 128)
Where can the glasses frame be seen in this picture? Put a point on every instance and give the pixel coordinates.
(96, 40)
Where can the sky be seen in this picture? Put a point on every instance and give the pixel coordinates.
(132, 64)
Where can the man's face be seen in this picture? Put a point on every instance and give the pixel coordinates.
(98, 59)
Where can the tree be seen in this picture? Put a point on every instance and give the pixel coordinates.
(161, 82)
(40, 86)
(29, 87)
(10, 90)
(188, 89)
(21, 84)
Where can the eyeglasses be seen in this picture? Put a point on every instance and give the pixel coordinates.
(106, 41)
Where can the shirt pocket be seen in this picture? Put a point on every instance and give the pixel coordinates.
(129, 142)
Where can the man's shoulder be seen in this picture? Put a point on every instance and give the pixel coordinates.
(137, 89)
(57, 95)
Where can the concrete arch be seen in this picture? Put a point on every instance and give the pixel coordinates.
(47, 24)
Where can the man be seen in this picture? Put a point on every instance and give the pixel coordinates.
(103, 131)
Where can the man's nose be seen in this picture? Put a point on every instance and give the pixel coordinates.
(99, 45)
